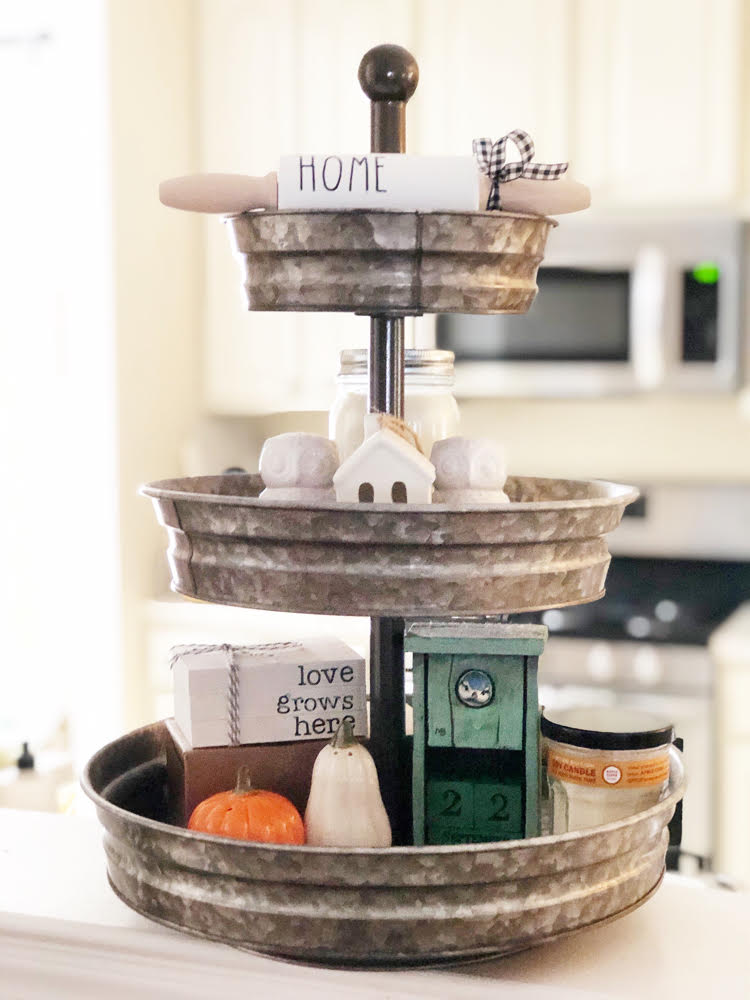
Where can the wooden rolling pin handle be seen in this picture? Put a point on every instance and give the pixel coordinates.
(225, 194)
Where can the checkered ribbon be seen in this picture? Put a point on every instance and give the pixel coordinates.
(233, 687)
(491, 159)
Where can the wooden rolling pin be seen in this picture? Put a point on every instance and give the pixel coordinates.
(395, 182)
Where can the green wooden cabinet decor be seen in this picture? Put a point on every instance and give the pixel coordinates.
(476, 730)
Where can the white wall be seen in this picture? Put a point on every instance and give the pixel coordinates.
(157, 289)
(60, 588)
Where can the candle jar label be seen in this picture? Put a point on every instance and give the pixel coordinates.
(603, 772)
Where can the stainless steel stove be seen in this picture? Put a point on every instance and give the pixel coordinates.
(680, 567)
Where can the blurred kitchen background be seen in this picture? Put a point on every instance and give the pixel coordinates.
(128, 356)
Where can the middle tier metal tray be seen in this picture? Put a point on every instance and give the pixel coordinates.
(544, 549)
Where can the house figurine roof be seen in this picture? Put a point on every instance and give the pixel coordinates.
(382, 460)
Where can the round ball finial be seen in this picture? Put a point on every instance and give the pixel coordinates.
(388, 73)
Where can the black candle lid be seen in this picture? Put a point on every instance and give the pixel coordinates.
(606, 728)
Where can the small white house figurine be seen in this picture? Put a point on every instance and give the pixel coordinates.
(386, 468)
(298, 466)
(469, 470)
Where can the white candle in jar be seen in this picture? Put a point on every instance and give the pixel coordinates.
(603, 764)
(430, 408)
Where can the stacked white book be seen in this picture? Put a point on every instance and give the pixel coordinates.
(268, 693)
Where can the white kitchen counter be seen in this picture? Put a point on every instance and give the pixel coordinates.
(63, 933)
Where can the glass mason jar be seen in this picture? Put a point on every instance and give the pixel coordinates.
(430, 408)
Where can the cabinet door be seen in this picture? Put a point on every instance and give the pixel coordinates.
(276, 77)
(487, 68)
(332, 112)
(245, 80)
(657, 98)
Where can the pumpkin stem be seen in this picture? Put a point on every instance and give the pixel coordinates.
(344, 736)
(244, 783)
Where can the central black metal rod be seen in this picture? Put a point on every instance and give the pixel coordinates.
(387, 720)
(387, 713)
(386, 365)
(388, 75)
(388, 123)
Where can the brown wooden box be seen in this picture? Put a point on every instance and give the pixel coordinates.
(194, 774)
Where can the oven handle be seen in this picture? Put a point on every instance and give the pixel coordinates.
(648, 307)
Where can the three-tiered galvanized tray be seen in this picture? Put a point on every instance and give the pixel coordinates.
(546, 548)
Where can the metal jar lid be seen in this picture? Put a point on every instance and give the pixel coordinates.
(600, 728)
(416, 362)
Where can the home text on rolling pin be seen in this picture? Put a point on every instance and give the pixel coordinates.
(331, 173)
(379, 181)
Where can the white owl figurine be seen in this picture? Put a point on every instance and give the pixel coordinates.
(469, 470)
(299, 467)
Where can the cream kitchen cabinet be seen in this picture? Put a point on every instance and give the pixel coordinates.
(644, 96)
(488, 67)
(657, 100)
(244, 74)
(275, 77)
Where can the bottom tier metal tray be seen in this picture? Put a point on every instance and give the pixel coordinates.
(364, 907)
(546, 548)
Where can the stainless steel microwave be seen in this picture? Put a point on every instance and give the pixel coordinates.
(624, 305)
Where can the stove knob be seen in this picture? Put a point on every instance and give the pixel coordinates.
(638, 626)
(647, 666)
(600, 662)
(554, 619)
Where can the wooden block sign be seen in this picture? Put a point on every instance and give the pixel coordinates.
(283, 691)
(392, 181)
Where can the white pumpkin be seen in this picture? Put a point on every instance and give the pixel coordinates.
(345, 808)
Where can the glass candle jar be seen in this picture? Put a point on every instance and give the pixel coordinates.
(603, 764)
(430, 408)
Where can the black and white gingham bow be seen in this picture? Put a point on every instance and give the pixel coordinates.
(491, 159)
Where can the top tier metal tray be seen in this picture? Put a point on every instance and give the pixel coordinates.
(544, 549)
(390, 263)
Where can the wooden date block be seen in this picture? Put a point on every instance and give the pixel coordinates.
(473, 812)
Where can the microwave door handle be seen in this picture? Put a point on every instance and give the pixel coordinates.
(648, 311)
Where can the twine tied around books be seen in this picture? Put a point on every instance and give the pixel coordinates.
(491, 159)
(233, 671)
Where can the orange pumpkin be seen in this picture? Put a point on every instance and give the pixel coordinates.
(248, 813)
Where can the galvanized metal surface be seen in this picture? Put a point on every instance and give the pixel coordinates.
(544, 549)
(393, 263)
(403, 905)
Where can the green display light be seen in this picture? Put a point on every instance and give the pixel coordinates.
(706, 273)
